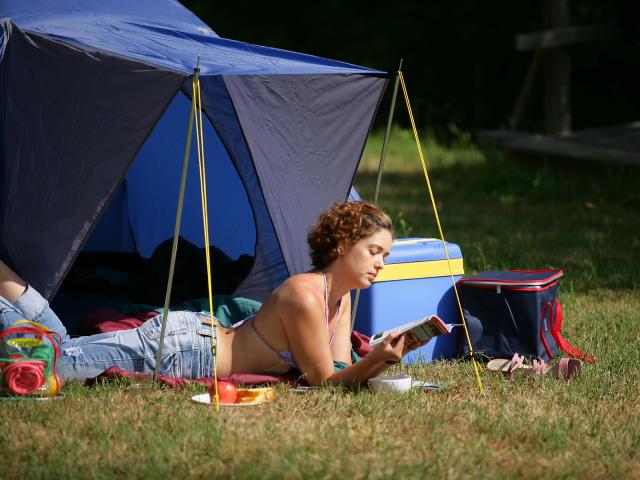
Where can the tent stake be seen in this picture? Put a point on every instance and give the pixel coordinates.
(176, 234)
(383, 155)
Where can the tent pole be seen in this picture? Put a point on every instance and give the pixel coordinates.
(383, 155)
(176, 234)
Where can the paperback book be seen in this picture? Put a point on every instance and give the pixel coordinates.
(424, 329)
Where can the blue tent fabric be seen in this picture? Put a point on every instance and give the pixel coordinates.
(161, 33)
(94, 92)
(269, 267)
(152, 191)
(37, 13)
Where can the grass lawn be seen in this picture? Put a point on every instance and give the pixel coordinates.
(504, 212)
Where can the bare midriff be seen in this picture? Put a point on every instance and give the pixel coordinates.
(241, 351)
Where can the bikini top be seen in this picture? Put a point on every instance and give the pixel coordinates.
(287, 355)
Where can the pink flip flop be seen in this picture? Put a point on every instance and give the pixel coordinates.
(568, 368)
(508, 367)
(565, 369)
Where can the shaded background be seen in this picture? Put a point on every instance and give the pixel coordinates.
(460, 65)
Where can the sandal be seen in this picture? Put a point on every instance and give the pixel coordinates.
(508, 367)
(565, 369)
(568, 368)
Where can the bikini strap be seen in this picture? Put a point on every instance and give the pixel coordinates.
(252, 323)
(285, 355)
(326, 302)
(326, 309)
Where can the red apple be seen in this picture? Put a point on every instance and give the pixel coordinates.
(227, 392)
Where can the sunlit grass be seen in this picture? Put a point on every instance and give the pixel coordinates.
(504, 213)
(514, 213)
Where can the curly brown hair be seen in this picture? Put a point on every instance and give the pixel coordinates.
(346, 222)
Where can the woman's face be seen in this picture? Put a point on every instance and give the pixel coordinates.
(365, 258)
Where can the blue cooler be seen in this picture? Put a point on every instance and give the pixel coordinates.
(414, 283)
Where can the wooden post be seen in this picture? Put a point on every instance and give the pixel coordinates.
(557, 71)
(525, 91)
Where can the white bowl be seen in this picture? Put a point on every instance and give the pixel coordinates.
(390, 383)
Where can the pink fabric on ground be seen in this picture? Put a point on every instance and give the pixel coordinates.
(105, 320)
(116, 373)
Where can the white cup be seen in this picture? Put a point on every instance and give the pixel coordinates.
(390, 383)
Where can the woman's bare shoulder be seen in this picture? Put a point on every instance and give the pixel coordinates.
(300, 292)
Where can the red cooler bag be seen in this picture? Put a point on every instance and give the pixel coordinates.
(515, 311)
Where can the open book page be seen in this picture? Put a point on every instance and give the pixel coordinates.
(423, 329)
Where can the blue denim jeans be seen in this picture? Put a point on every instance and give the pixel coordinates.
(186, 351)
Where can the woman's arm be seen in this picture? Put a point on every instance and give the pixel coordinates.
(386, 353)
(316, 362)
(301, 312)
(366, 368)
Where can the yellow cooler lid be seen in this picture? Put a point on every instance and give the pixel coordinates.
(413, 258)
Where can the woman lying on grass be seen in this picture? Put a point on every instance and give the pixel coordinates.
(303, 325)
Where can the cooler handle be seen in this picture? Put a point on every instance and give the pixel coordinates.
(546, 308)
(556, 332)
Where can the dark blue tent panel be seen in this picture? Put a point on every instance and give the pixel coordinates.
(68, 136)
(302, 119)
(95, 98)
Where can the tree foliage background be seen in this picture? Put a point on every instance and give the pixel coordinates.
(460, 64)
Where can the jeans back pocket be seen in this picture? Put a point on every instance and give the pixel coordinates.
(176, 325)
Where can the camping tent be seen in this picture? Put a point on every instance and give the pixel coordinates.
(94, 102)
